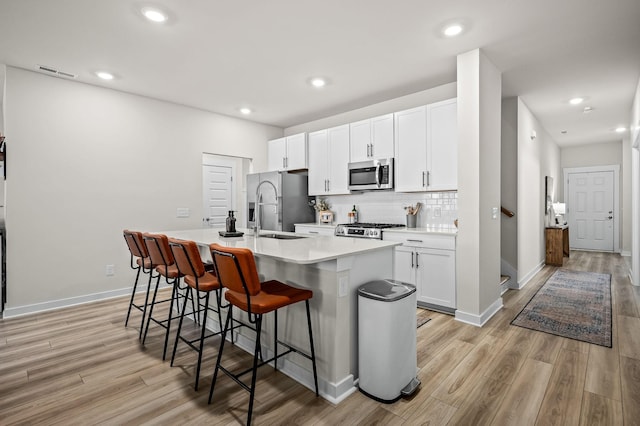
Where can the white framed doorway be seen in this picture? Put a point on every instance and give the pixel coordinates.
(223, 188)
(592, 199)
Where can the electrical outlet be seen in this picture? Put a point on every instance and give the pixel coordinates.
(110, 270)
(182, 212)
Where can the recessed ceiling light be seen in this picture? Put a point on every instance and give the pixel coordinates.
(154, 15)
(576, 101)
(452, 30)
(245, 111)
(587, 109)
(105, 75)
(318, 82)
(621, 129)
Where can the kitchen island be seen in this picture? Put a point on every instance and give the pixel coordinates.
(333, 268)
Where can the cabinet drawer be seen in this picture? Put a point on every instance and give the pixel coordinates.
(435, 241)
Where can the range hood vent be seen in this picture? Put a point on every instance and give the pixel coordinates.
(56, 72)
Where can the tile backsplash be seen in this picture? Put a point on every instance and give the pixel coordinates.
(438, 208)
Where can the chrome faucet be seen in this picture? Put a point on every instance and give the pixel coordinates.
(259, 204)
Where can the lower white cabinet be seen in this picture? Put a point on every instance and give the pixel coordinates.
(315, 229)
(429, 262)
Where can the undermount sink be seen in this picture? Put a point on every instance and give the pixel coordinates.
(281, 236)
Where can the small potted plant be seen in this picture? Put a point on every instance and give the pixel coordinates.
(322, 207)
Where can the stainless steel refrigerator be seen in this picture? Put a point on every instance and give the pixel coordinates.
(284, 201)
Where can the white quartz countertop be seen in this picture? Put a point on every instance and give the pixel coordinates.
(434, 229)
(306, 250)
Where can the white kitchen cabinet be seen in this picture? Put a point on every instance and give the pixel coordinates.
(315, 229)
(371, 139)
(288, 153)
(328, 161)
(426, 148)
(429, 262)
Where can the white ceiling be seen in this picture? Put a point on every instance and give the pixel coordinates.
(219, 55)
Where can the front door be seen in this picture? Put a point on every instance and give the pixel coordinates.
(590, 210)
(217, 187)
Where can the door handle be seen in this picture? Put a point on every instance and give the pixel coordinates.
(610, 217)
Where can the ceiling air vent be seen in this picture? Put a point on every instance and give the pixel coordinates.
(53, 71)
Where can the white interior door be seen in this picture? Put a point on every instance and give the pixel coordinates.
(590, 211)
(217, 186)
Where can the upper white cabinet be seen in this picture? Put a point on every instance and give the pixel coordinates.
(426, 148)
(328, 161)
(371, 138)
(288, 153)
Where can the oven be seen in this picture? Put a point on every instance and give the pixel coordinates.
(364, 230)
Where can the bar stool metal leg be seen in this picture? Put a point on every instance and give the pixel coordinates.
(133, 295)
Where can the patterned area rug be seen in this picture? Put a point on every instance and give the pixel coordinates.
(571, 304)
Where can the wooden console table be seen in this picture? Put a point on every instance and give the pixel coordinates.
(557, 242)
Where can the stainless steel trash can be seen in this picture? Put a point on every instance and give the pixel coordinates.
(387, 358)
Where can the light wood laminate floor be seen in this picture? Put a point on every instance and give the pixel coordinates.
(82, 366)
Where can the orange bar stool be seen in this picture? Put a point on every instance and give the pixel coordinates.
(189, 263)
(238, 274)
(140, 262)
(161, 257)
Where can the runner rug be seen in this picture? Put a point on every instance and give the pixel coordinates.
(571, 304)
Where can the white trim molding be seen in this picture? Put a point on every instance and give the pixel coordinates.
(65, 303)
(615, 168)
(480, 320)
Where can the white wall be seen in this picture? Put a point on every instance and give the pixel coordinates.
(87, 162)
(597, 154)
(509, 182)
(478, 241)
(537, 158)
(634, 128)
(3, 70)
(603, 154)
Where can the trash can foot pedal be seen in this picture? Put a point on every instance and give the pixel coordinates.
(411, 387)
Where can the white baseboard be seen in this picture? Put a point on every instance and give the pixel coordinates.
(72, 301)
(479, 320)
(507, 269)
(525, 279)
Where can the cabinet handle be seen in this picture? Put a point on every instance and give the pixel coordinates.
(417, 265)
(423, 179)
(313, 232)
(428, 176)
(286, 162)
(328, 185)
(412, 259)
(283, 166)
(415, 241)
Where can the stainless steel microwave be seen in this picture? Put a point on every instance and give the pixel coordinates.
(372, 174)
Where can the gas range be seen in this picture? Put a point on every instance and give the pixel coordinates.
(364, 230)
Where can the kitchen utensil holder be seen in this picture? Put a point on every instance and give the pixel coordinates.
(411, 220)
